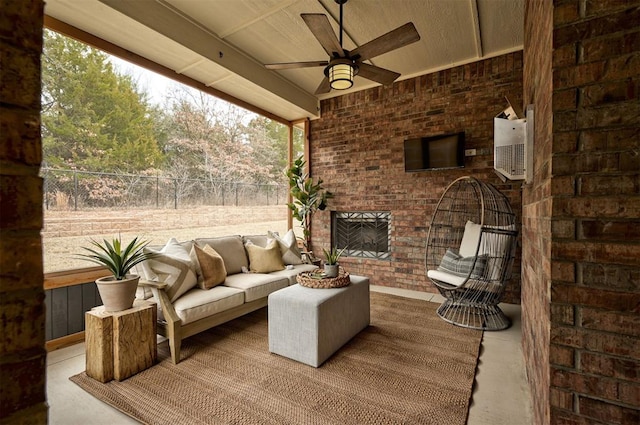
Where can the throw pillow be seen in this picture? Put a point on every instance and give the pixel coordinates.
(470, 238)
(455, 264)
(288, 246)
(264, 260)
(212, 268)
(171, 265)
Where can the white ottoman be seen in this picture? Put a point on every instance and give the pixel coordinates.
(309, 325)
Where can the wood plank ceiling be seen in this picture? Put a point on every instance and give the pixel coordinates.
(224, 43)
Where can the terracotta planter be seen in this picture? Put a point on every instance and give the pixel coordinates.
(117, 295)
(331, 270)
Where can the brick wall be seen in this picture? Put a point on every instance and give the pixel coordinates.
(357, 149)
(595, 252)
(22, 354)
(537, 267)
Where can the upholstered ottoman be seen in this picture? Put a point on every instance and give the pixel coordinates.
(309, 325)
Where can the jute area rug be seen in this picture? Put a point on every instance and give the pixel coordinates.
(407, 367)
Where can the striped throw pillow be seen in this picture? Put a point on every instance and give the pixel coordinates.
(455, 264)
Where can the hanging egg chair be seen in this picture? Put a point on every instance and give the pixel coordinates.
(470, 251)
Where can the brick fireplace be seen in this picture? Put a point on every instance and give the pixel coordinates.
(362, 234)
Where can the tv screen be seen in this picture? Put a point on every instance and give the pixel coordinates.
(435, 152)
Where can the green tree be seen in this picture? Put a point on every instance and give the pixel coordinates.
(92, 117)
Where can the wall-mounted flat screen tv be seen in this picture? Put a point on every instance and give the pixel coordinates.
(434, 152)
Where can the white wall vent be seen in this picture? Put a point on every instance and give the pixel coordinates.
(510, 151)
(509, 147)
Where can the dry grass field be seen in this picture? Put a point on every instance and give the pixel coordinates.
(66, 232)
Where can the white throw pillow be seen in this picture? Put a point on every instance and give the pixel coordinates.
(470, 238)
(171, 265)
(288, 246)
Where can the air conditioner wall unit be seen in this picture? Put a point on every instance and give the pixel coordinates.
(510, 147)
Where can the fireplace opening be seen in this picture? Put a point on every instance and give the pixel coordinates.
(363, 234)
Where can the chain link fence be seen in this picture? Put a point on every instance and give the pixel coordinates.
(78, 190)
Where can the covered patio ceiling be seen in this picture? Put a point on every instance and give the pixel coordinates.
(224, 44)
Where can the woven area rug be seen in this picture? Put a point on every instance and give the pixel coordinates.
(407, 367)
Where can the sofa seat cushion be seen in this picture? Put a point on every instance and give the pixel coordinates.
(231, 249)
(293, 270)
(199, 303)
(256, 285)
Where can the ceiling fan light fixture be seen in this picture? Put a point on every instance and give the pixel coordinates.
(341, 73)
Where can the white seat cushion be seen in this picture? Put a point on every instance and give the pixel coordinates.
(256, 285)
(200, 303)
(445, 277)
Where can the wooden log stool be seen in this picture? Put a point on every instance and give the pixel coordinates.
(120, 344)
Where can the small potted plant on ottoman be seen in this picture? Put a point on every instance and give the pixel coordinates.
(117, 291)
(331, 265)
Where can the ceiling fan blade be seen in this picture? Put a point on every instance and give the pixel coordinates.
(392, 40)
(292, 65)
(321, 28)
(377, 74)
(324, 86)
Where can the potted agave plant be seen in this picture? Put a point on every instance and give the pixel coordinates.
(117, 291)
(331, 265)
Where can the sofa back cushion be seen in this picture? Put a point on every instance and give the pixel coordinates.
(259, 240)
(230, 249)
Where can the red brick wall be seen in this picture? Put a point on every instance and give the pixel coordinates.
(22, 353)
(357, 149)
(595, 252)
(537, 267)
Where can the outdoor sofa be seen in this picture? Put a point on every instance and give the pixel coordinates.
(205, 282)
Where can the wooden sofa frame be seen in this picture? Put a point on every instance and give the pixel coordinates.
(173, 329)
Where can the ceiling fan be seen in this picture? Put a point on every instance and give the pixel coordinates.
(343, 65)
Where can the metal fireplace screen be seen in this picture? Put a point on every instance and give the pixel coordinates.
(364, 234)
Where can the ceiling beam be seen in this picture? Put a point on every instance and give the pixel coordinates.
(170, 23)
(475, 16)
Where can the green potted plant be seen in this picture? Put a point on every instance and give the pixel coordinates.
(331, 257)
(117, 291)
(308, 197)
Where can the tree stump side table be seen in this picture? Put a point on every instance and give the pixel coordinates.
(120, 344)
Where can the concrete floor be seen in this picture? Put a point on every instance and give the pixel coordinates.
(500, 395)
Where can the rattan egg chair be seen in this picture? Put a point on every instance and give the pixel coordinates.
(470, 251)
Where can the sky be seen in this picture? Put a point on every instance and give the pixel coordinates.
(155, 85)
